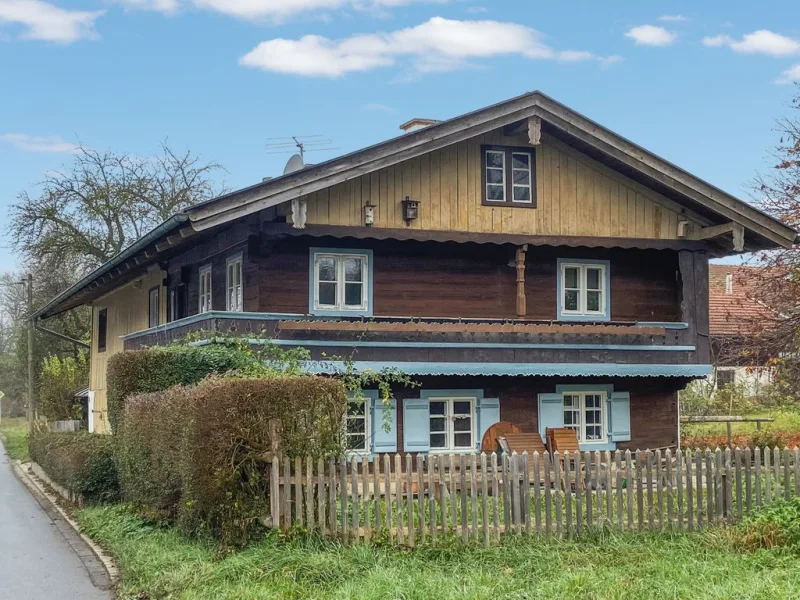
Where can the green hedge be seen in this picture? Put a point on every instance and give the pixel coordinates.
(81, 462)
(198, 456)
(159, 368)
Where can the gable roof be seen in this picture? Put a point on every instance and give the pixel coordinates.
(711, 203)
(763, 231)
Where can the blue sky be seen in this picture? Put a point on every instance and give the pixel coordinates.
(698, 85)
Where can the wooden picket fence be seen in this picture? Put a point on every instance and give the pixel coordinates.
(482, 497)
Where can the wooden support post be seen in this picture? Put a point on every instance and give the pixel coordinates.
(522, 309)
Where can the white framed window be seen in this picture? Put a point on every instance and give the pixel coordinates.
(154, 306)
(340, 282)
(204, 289)
(585, 412)
(508, 176)
(452, 424)
(583, 289)
(234, 286)
(357, 425)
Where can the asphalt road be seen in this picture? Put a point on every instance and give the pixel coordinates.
(36, 562)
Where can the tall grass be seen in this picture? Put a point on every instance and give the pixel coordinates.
(160, 563)
(14, 433)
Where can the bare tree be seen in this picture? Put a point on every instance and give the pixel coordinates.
(105, 201)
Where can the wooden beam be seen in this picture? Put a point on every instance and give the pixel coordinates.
(535, 130)
(738, 237)
(186, 232)
(522, 308)
(706, 233)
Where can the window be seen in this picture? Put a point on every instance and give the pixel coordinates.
(357, 425)
(233, 284)
(585, 413)
(204, 289)
(177, 307)
(583, 290)
(341, 282)
(102, 329)
(153, 307)
(725, 377)
(452, 423)
(508, 176)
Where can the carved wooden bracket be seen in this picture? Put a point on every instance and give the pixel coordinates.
(535, 131)
(736, 229)
(299, 211)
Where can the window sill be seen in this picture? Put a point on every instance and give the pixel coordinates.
(598, 318)
(320, 312)
(456, 451)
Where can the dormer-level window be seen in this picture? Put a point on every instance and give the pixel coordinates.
(341, 282)
(509, 177)
(583, 290)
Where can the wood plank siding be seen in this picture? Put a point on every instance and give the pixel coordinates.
(469, 281)
(127, 311)
(575, 196)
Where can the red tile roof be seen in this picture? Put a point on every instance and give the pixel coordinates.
(732, 309)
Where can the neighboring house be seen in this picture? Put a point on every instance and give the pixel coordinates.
(521, 262)
(734, 319)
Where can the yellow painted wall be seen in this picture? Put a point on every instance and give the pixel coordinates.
(127, 312)
(575, 196)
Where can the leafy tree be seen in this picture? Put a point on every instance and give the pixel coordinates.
(59, 380)
(777, 329)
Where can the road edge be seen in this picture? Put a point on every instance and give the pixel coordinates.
(101, 568)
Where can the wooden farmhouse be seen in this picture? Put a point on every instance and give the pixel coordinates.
(521, 262)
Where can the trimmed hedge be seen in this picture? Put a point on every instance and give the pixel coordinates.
(159, 368)
(81, 462)
(199, 456)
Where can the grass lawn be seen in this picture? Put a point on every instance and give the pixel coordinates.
(14, 433)
(784, 421)
(160, 563)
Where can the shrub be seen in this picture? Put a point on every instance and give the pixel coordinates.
(159, 368)
(199, 455)
(60, 379)
(81, 462)
(774, 525)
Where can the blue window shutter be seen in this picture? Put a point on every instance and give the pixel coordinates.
(551, 412)
(382, 440)
(620, 417)
(416, 425)
(488, 415)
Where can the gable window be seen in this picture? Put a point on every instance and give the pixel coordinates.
(102, 329)
(204, 289)
(341, 282)
(725, 377)
(583, 292)
(508, 176)
(153, 307)
(357, 425)
(585, 412)
(452, 423)
(233, 284)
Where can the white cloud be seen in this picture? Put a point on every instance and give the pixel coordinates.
(437, 45)
(378, 107)
(758, 42)
(47, 22)
(36, 143)
(790, 75)
(673, 18)
(650, 35)
(268, 10)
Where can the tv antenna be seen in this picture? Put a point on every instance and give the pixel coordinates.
(304, 143)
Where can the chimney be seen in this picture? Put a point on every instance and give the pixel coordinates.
(416, 124)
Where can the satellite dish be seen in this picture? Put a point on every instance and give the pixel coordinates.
(295, 164)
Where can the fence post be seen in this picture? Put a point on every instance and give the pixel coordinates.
(548, 509)
(670, 514)
(578, 494)
(275, 493)
(618, 466)
(462, 476)
(495, 497)
(321, 494)
(410, 499)
(537, 492)
(298, 490)
(526, 495)
(557, 488)
(757, 462)
(689, 491)
(421, 497)
(398, 496)
(484, 499)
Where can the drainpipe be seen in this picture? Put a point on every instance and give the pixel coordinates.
(522, 308)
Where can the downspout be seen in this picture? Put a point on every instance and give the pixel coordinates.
(522, 308)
